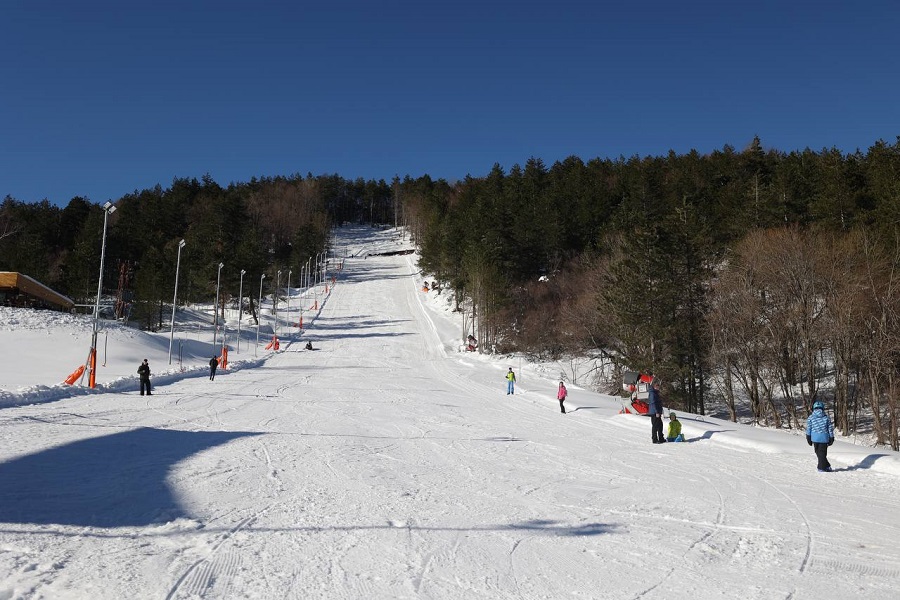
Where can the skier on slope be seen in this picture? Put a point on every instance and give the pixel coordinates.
(144, 373)
(820, 434)
(213, 365)
(510, 382)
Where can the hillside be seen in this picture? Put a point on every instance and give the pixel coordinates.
(386, 464)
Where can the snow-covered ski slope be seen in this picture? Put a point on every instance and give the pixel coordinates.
(385, 464)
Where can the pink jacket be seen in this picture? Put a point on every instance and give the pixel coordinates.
(562, 393)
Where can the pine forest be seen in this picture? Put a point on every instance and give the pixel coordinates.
(751, 282)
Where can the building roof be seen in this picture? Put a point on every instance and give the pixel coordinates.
(26, 285)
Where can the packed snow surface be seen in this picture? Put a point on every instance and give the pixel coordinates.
(388, 464)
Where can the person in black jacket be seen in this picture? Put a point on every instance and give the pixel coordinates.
(213, 365)
(144, 372)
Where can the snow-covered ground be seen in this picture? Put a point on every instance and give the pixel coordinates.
(386, 464)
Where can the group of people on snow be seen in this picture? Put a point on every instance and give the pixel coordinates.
(655, 410)
(819, 427)
(144, 370)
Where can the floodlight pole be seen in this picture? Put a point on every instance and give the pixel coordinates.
(307, 271)
(259, 312)
(216, 307)
(316, 277)
(275, 302)
(315, 281)
(108, 209)
(175, 300)
(302, 280)
(289, 300)
(240, 308)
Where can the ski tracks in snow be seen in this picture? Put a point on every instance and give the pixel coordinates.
(214, 573)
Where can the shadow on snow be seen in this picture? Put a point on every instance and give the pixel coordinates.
(538, 527)
(865, 463)
(109, 481)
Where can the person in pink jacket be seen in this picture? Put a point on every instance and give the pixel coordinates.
(561, 396)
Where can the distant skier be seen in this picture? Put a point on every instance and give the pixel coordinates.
(674, 433)
(510, 382)
(144, 373)
(561, 396)
(309, 345)
(655, 412)
(471, 343)
(820, 434)
(213, 365)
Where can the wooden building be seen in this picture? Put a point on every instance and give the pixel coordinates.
(22, 291)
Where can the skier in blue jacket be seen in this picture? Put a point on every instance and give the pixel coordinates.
(820, 434)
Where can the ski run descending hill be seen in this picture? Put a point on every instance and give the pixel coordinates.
(387, 464)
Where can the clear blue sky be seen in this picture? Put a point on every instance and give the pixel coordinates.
(98, 99)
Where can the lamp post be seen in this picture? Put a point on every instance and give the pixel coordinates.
(307, 271)
(240, 308)
(275, 302)
(302, 280)
(216, 307)
(289, 301)
(175, 300)
(316, 270)
(108, 209)
(315, 278)
(259, 311)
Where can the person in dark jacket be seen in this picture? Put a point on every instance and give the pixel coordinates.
(820, 434)
(656, 412)
(144, 373)
(213, 365)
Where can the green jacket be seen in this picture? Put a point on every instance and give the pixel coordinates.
(674, 428)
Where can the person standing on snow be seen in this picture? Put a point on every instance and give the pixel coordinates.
(561, 396)
(213, 365)
(510, 382)
(144, 373)
(655, 411)
(820, 434)
(471, 343)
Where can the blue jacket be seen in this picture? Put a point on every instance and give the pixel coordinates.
(653, 399)
(819, 427)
